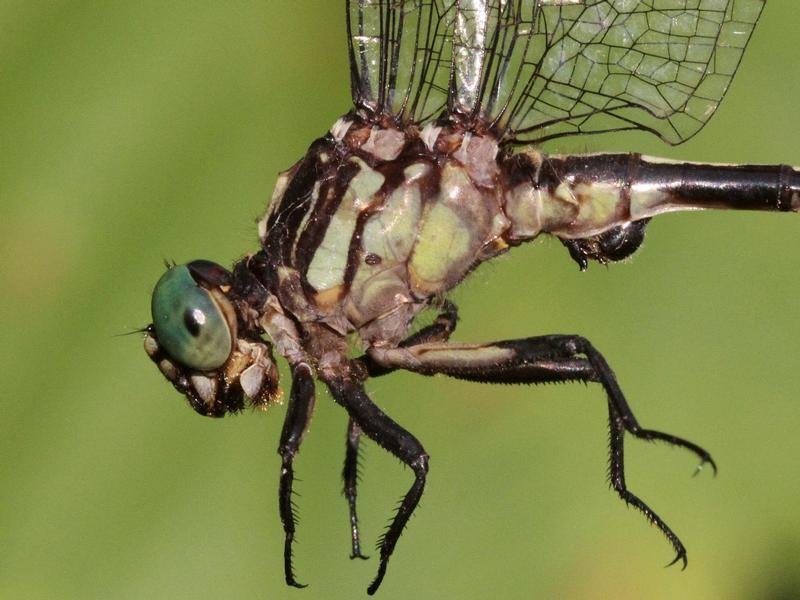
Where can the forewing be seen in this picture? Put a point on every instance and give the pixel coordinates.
(415, 58)
(489, 37)
(400, 56)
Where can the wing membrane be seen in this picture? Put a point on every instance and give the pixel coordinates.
(658, 65)
(532, 70)
(400, 56)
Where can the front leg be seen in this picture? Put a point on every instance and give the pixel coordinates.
(545, 359)
(298, 416)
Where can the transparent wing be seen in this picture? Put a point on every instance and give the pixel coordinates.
(606, 65)
(400, 56)
(414, 59)
(532, 70)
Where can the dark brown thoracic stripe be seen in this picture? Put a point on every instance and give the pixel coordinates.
(287, 234)
(331, 192)
(285, 220)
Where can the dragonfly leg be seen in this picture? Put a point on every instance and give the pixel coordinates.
(298, 416)
(616, 475)
(393, 438)
(438, 331)
(350, 477)
(545, 359)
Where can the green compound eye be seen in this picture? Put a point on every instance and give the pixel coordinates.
(188, 322)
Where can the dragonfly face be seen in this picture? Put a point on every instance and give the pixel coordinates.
(204, 345)
(433, 172)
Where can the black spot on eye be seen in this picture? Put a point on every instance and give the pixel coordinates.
(193, 319)
(372, 259)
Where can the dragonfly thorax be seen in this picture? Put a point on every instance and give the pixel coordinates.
(375, 221)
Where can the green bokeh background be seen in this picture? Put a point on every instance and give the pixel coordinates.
(136, 132)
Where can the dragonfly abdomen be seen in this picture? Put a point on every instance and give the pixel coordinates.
(582, 196)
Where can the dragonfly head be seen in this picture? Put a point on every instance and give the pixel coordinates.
(203, 344)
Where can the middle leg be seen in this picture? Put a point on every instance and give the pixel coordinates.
(438, 331)
(350, 478)
(393, 438)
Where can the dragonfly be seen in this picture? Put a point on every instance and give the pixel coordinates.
(435, 169)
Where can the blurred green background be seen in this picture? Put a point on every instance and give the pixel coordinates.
(132, 132)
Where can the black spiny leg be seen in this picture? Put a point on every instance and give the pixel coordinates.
(350, 477)
(298, 416)
(438, 331)
(623, 410)
(542, 360)
(616, 475)
(390, 436)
